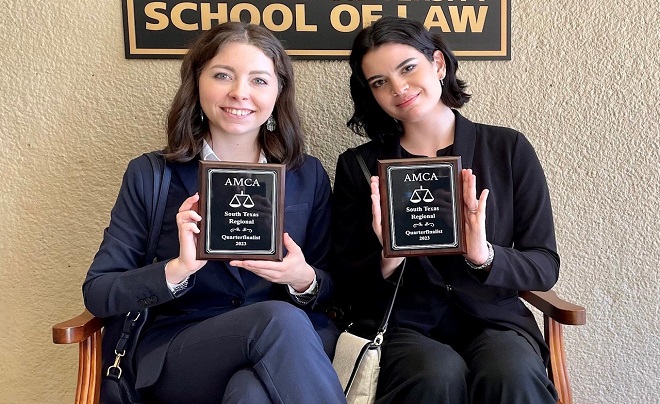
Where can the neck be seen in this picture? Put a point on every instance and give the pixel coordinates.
(235, 149)
(426, 137)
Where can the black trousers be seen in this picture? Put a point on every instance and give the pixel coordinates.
(267, 352)
(492, 366)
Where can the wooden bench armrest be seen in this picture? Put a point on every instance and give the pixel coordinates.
(84, 329)
(76, 329)
(556, 308)
(556, 312)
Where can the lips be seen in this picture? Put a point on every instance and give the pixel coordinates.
(408, 101)
(237, 112)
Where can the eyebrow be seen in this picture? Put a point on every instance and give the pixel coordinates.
(400, 65)
(266, 72)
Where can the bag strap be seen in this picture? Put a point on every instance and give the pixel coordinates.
(162, 174)
(161, 184)
(363, 165)
(383, 326)
(378, 340)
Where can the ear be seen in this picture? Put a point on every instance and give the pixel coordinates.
(439, 61)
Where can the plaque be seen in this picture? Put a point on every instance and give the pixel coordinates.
(242, 209)
(422, 206)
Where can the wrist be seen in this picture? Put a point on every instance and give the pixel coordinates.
(173, 273)
(389, 265)
(301, 288)
(485, 266)
(305, 285)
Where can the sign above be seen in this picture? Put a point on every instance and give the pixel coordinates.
(316, 29)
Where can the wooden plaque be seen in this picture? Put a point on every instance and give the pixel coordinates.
(242, 209)
(422, 206)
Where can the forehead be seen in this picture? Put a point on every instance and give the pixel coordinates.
(241, 56)
(387, 57)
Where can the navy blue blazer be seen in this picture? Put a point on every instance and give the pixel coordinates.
(118, 282)
(519, 225)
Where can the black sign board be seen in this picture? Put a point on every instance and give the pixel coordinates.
(315, 29)
(422, 206)
(242, 209)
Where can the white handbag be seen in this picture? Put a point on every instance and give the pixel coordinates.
(357, 363)
(357, 360)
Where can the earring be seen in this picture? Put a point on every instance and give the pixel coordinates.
(442, 82)
(271, 124)
(201, 114)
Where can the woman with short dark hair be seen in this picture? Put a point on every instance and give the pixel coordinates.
(458, 332)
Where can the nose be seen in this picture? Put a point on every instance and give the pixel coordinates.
(239, 90)
(399, 87)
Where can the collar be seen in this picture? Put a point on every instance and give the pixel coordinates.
(207, 153)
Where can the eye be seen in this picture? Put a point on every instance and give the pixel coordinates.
(408, 68)
(377, 83)
(260, 81)
(222, 76)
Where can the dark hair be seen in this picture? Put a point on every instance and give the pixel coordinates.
(185, 128)
(368, 118)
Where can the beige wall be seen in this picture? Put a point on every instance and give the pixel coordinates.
(583, 84)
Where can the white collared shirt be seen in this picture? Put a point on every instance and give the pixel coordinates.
(207, 153)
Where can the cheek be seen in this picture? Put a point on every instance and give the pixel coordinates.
(206, 94)
(268, 100)
(381, 97)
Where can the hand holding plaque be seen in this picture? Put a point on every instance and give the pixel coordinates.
(242, 209)
(422, 206)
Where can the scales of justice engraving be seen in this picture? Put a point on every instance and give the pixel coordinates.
(421, 194)
(241, 199)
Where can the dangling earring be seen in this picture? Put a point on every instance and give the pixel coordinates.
(201, 114)
(442, 82)
(271, 124)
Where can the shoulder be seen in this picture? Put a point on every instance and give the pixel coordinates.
(485, 132)
(137, 187)
(137, 170)
(145, 162)
(310, 161)
(139, 162)
(311, 164)
(501, 138)
(142, 170)
(507, 147)
(310, 168)
(499, 133)
(369, 148)
(368, 151)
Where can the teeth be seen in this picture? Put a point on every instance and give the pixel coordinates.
(239, 112)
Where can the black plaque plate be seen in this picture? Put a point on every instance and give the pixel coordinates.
(422, 206)
(242, 209)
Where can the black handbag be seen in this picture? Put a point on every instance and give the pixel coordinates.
(118, 378)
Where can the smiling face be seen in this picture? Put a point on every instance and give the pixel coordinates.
(238, 89)
(403, 81)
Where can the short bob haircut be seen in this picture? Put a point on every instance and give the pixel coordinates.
(185, 127)
(368, 118)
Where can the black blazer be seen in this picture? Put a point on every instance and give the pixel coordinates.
(519, 225)
(117, 282)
